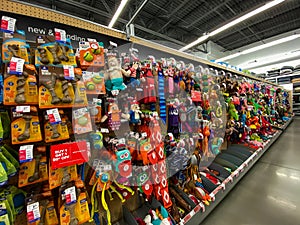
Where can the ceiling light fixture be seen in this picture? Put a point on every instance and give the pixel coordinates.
(233, 23)
(268, 60)
(264, 69)
(117, 13)
(260, 47)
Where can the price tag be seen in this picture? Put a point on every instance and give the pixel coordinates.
(87, 76)
(22, 109)
(16, 66)
(79, 112)
(104, 130)
(53, 116)
(122, 141)
(33, 212)
(95, 163)
(69, 72)
(8, 35)
(60, 35)
(94, 44)
(102, 167)
(97, 101)
(25, 153)
(70, 195)
(91, 40)
(144, 134)
(115, 44)
(8, 24)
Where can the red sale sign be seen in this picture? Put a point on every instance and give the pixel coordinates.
(68, 154)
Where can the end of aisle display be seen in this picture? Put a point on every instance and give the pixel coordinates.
(104, 135)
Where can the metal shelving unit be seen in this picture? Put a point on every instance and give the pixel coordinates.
(200, 212)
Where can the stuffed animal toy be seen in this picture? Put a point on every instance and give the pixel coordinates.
(114, 76)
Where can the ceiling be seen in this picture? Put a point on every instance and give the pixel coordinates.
(183, 21)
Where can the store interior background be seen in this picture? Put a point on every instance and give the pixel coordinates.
(177, 23)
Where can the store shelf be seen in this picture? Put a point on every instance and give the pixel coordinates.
(296, 94)
(296, 104)
(283, 76)
(200, 212)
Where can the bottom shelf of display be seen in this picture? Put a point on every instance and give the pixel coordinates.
(200, 212)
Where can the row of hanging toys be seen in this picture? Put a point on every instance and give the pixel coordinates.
(132, 70)
(112, 174)
(281, 107)
(214, 105)
(151, 174)
(236, 91)
(148, 149)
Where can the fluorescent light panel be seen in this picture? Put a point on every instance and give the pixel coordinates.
(234, 22)
(199, 40)
(264, 69)
(271, 59)
(117, 13)
(260, 47)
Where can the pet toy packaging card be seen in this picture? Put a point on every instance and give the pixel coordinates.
(57, 91)
(94, 82)
(60, 176)
(95, 110)
(82, 121)
(15, 47)
(82, 208)
(1, 89)
(54, 53)
(22, 88)
(36, 170)
(25, 128)
(91, 54)
(55, 126)
(1, 130)
(51, 215)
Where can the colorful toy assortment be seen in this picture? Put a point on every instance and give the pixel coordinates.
(104, 132)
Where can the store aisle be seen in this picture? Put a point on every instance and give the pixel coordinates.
(270, 192)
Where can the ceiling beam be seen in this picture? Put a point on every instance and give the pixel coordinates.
(108, 9)
(159, 35)
(137, 12)
(106, 14)
(207, 13)
(173, 13)
(167, 12)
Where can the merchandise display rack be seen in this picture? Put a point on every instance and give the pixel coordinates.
(200, 212)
